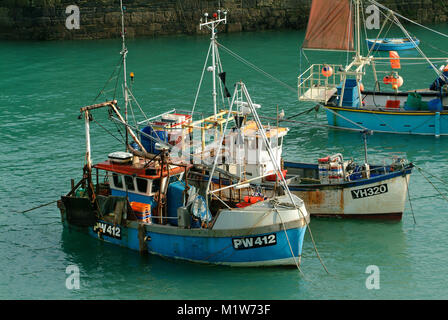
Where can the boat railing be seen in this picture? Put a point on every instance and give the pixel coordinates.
(318, 85)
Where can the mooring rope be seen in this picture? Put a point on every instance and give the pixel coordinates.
(289, 243)
(40, 206)
(311, 235)
(409, 198)
(429, 181)
(429, 173)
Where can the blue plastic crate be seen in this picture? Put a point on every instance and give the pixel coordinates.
(351, 94)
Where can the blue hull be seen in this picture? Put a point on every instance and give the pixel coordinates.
(422, 123)
(381, 46)
(253, 249)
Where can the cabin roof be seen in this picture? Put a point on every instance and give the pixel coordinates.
(251, 129)
(138, 169)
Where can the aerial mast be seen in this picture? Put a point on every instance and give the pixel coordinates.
(124, 52)
(358, 30)
(212, 26)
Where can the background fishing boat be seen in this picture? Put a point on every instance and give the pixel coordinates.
(392, 44)
(349, 102)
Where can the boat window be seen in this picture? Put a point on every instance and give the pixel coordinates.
(142, 185)
(263, 145)
(253, 145)
(129, 181)
(155, 185)
(118, 182)
(280, 141)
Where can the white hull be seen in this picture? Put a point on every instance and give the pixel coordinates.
(386, 197)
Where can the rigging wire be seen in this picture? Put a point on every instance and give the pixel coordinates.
(93, 118)
(244, 61)
(407, 19)
(118, 65)
(202, 78)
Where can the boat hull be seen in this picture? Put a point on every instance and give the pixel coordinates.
(400, 122)
(273, 245)
(380, 197)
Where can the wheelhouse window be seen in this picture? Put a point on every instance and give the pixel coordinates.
(129, 181)
(142, 185)
(118, 182)
(155, 185)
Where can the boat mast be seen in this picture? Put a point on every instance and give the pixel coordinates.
(358, 30)
(124, 52)
(212, 26)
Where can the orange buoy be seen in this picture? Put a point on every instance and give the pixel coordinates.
(387, 79)
(397, 81)
(446, 68)
(327, 71)
(361, 87)
(394, 60)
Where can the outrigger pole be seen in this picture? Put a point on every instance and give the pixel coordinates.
(86, 110)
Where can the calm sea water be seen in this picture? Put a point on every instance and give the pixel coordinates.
(42, 87)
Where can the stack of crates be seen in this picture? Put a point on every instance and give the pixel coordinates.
(142, 211)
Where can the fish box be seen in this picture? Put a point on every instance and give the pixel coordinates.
(393, 104)
(142, 211)
(351, 94)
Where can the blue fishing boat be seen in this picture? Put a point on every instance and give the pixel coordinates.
(145, 199)
(130, 209)
(392, 44)
(341, 91)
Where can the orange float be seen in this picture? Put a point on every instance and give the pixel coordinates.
(327, 71)
(397, 82)
(387, 79)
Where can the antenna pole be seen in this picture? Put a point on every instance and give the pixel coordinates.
(124, 52)
(213, 39)
(212, 26)
(358, 32)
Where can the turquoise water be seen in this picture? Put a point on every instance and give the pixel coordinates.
(42, 87)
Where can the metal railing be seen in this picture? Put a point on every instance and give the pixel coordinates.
(314, 86)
